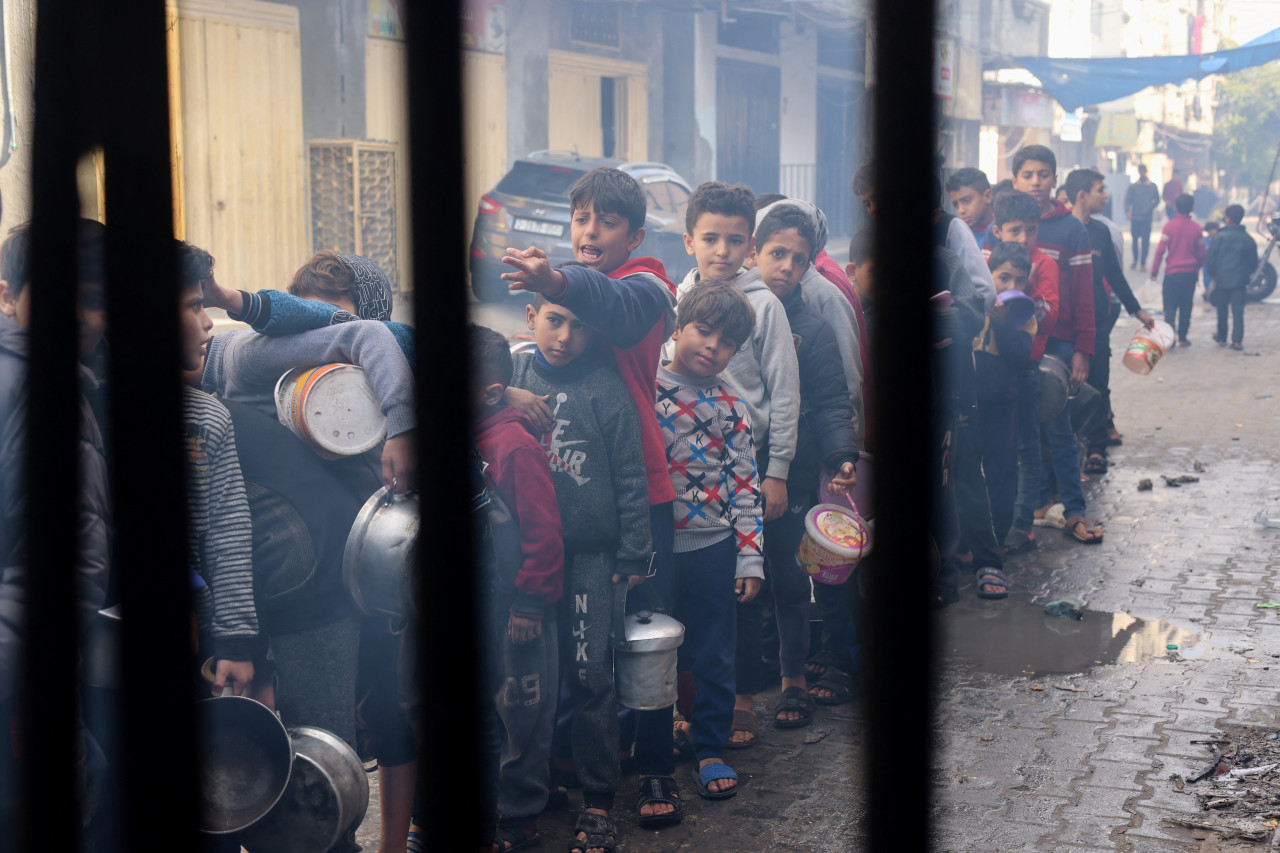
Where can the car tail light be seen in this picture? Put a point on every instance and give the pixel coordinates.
(488, 206)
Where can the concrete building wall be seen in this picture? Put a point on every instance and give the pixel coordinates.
(15, 173)
(333, 66)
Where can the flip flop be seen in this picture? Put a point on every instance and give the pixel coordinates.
(710, 773)
(1018, 542)
(744, 721)
(989, 577)
(1089, 526)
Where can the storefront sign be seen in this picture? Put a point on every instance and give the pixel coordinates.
(484, 26)
(1026, 109)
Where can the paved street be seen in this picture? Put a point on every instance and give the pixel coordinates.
(1039, 747)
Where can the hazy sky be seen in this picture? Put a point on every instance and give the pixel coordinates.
(1255, 17)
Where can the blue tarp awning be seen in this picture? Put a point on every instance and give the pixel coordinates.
(1084, 82)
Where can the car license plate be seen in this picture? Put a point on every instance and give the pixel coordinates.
(550, 229)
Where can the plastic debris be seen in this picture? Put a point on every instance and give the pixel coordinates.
(1267, 605)
(1173, 647)
(1265, 520)
(1251, 771)
(1064, 609)
(1144, 485)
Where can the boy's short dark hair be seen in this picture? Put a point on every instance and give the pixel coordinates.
(861, 247)
(1039, 153)
(763, 201)
(1234, 214)
(490, 356)
(1002, 189)
(326, 276)
(1081, 181)
(1016, 207)
(968, 177)
(1212, 225)
(1184, 203)
(782, 218)
(1009, 253)
(721, 306)
(15, 254)
(864, 180)
(609, 190)
(724, 199)
(194, 265)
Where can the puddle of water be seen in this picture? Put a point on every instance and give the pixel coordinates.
(1015, 639)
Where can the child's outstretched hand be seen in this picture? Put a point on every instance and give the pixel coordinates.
(533, 271)
(523, 630)
(400, 462)
(217, 296)
(746, 589)
(842, 481)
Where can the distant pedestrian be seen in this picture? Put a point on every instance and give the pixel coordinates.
(1210, 232)
(1182, 238)
(1140, 202)
(1232, 259)
(1172, 190)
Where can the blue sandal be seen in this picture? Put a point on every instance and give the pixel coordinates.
(710, 773)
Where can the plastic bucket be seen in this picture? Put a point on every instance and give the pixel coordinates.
(332, 408)
(1147, 346)
(834, 540)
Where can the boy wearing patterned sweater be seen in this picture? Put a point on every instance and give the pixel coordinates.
(718, 514)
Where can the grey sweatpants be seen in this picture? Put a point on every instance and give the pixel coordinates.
(526, 702)
(586, 616)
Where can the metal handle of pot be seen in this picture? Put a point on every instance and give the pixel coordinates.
(618, 631)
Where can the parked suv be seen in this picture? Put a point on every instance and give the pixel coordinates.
(530, 207)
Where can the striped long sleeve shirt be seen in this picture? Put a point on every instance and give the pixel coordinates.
(220, 535)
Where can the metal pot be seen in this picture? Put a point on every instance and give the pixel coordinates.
(327, 796)
(1055, 387)
(1084, 405)
(245, 762)
(378, 563)
(102, 651)
(644, 655)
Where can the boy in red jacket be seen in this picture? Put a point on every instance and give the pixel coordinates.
(529, 585)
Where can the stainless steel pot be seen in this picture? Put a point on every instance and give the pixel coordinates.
(378, 563)
(644, 655)
(1055, 387)
(245, 762)
(327, 797)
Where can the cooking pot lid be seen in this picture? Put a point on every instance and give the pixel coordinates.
(649, 632)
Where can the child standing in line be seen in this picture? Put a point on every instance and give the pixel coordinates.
(970, 192)
(1210, 231)
(1231, 261)
(719, 526)
(524, 621)
(603, 497)
(1001, 353)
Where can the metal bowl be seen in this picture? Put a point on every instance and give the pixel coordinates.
(377, 564)
(328, 794)
(245, 762)
(1055, 387)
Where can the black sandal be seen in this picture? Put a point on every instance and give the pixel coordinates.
(516, 838)
(838, 682)
(794, 699)
(822, 659)
(656, 790)
(601, 832)
(1096, 463)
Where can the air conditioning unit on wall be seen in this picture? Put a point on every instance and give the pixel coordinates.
(353, 200)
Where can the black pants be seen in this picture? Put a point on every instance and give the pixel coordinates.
(1233, 299)
(1140, 229)
(1179, 296)
(977, 536)
(1095, 432)
(998, 434)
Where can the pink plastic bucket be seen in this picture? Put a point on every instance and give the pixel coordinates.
(1147, 346)
(834, 541)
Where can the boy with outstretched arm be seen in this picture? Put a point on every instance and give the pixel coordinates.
(1017, 220)
(602, 493)
(785, 240)
(530, 582)
(718, 519)
(765, 374)
(632, 299)
(1062, 237)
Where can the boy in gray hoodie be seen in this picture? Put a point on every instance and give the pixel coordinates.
(764, 372)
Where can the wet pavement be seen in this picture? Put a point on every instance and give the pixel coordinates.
(1057, 734)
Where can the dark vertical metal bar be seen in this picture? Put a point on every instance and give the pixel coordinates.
(149, 486)
(53, 474)
(449, 637)
(900, 663)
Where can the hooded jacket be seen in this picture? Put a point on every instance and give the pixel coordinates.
(517, 469)
(764, 373)
(92, 524)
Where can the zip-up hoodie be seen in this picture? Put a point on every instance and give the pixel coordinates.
(635, 306)
(517, 468)
(1184, 241)
(764, 372)
(1062, 237)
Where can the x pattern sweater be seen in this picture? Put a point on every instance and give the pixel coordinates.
(712, 461)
